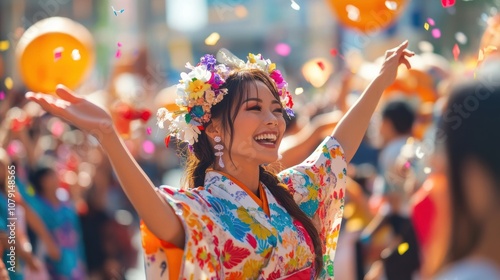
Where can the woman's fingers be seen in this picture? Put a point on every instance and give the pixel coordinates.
(66, 94)
(402, 47)
(408, 53)
(397, 50)
(405, 61)
(47, 102)
(36, 97)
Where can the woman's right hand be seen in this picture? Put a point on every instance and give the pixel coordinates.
(81, 113)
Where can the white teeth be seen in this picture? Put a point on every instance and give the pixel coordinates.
(271, 137)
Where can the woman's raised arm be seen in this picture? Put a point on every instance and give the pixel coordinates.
(158, 216)
(353, 125)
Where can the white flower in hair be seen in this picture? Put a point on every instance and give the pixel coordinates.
(187, 131)
(163, 115)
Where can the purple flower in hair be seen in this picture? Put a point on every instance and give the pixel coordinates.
(215, 81)
(209, 61)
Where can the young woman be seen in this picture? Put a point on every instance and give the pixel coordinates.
(470, 136)
(236, 220)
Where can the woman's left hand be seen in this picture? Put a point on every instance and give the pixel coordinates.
(393, 58)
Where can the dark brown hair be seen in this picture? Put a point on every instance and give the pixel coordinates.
(203, 156)
(473, 137)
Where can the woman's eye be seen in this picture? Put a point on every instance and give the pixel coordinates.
(254, 108)
(279, 110)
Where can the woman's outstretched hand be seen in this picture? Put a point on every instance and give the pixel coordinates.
(393, 58)
(81, 113)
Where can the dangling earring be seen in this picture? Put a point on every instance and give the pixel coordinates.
(219, 152)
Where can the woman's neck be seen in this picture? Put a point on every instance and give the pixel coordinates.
(248, 176)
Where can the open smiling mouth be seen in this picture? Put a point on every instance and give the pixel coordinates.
(266, 139)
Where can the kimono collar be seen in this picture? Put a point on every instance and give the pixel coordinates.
(230, 183)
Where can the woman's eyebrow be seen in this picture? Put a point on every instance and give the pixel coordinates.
(253, 99)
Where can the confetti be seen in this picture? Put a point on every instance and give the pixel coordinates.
(58, 53)
(431, 21)
(75, 54)
(490, 49)
(426, 26)
(9, 83)
(447, 3)
(461, 38)
(283, 49)
(427, 170)
(321, 65)
(391, 5)
(480, 56)
(167, 140)
(299, 91)
(407, 165)
(119, 44)
(403, 247)
(2, 95)
(436, 33)
(148, 147)
(212, 39)
(419, 153)
(456, 52)
(118, 54)
(335, 52)
(148, 130)
(295, 6)
(4, 45)
(116, 12)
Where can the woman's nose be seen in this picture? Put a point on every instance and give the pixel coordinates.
(272, 119)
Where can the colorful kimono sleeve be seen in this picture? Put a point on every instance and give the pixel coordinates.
(198, 260)
(318, 187)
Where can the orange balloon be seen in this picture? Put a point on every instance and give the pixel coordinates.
(55, 51)
(366, 15)
(414, 82)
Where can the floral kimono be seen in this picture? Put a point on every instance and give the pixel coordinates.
(230, 236)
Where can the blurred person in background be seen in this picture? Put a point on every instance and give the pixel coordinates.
(108, 245)
(469, 137)
(60, 217)
(396, 126)
(391, 225)
(15, 129)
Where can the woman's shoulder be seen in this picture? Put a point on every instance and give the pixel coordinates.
(470, 270)
(197, 198)
(327, 159)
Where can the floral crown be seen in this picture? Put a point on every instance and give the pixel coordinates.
(201, 89)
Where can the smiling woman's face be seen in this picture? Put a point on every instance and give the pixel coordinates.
(258, 128)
